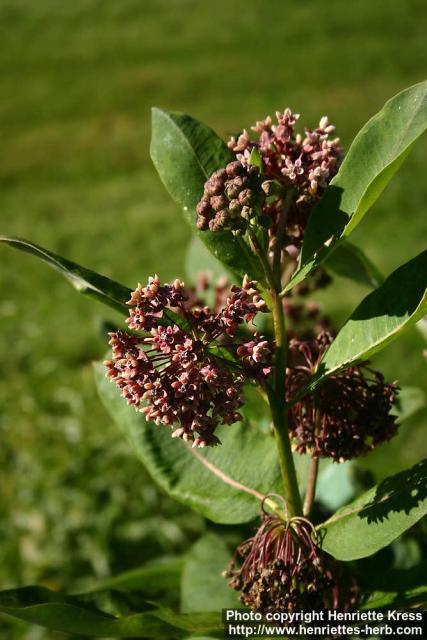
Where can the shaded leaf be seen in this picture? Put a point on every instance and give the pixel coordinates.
(185, 153)
(203, 585)
(84, 280)
(397, 599)
(159, 575)
(378, 516)
(336, 485)
(375, 155)
(246, 455)
(348, 261)
(393, 580)
(379, 319)
(77, 615)
(409, 401)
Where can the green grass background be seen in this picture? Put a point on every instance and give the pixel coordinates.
(77, 83)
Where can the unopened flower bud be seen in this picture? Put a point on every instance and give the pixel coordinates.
(234, 169)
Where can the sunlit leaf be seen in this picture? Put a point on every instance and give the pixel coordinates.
(375, 155)
(379, 319)
(185, 153)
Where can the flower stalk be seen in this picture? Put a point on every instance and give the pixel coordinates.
(279, 409)
(310, 493)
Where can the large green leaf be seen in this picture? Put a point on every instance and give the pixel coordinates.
(246, 455)
(185, 153)
(375, 155)
(378, 516)
(379, 319)
(84, 280)
(349, 261)
(203, 585)
(81, 615)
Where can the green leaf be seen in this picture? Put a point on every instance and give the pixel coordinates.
(395, 577)
(378, 320)
(336, 484)
(203, 585)
(246, 455)
(255, 158)
(375, 155)
(185, 153)
(84, 280)
(348, 261)
(151, 578)
(409, 401)
(398, 599)
(422, 327)
(78, 615)
(378, 516)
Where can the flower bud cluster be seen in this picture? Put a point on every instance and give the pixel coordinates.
(348, 415)
(232, 198)
(283, 569)
(179, 377)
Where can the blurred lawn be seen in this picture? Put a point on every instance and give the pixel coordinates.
(78, 80)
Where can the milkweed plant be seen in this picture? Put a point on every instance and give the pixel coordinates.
(237, 391)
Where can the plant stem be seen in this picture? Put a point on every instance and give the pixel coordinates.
(276, 395)
(257, 249)
(279, 412)
(311, 486)
(281, 230)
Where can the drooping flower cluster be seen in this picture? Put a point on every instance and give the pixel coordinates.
(175, 372)
(232, 198)
(348, 415)
(307, 161)
(283, 569)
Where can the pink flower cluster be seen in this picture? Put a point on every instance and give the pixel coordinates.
(307, 161)
(178, 375)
